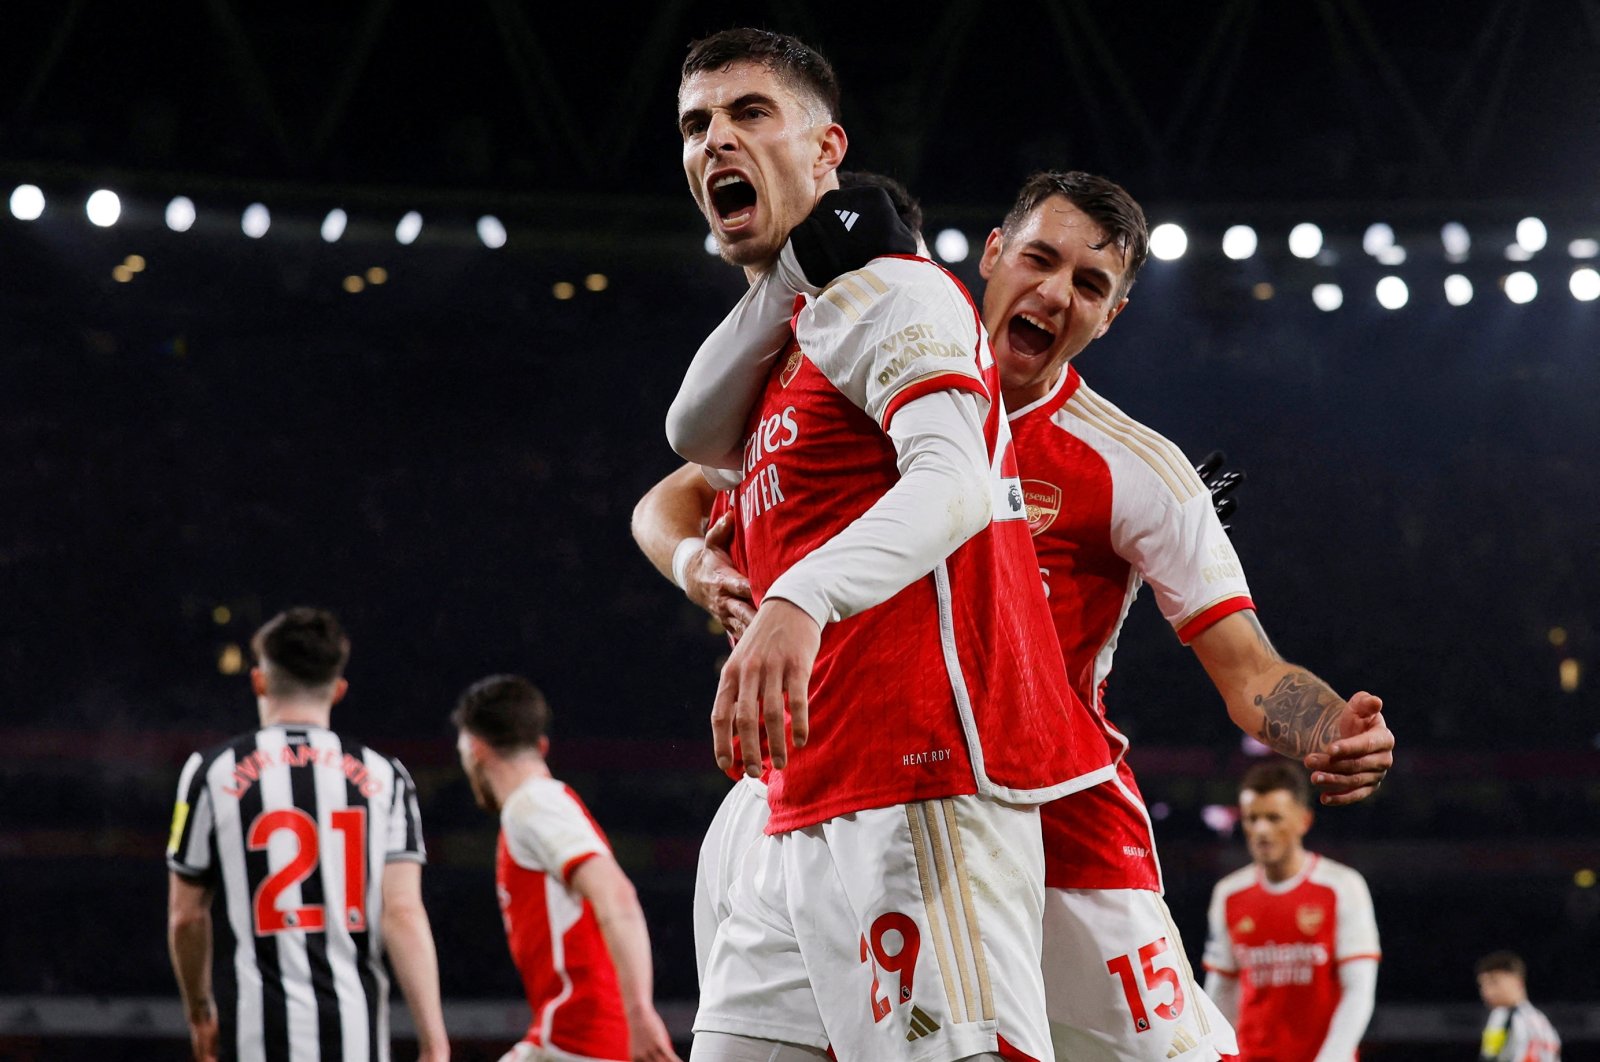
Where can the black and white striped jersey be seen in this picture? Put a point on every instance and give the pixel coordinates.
(293, 825)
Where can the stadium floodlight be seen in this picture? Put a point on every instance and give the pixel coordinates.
(491, 232)
(1585, 284)
(255, 221)
(27, 202)
(1584, 248)
(1239, 242)
(711, 244)
(1391, 255)
(1168, 241)
(1457, 290)
(103, 208)
(1532, 235)
(334, 224)
(951, 245)
(1328, 297)
(180, 213)
(1393, 293)
(1305, 240)
(409, 229)
(1457, 241)
(1515, 252)
(1521, 288)
(1378, 238)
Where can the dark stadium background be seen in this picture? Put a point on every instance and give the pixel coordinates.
(449, 458)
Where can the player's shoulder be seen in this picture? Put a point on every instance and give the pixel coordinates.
(1235, 882)
(239, 745)
(1332, 872)
(536, 797)
(895, 285)
(1133, 450)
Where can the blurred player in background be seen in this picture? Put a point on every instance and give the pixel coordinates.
(1111, 505)
(572, 918)
(1517, 1031)
(895, 907)
(315, 843)
(1293, 948)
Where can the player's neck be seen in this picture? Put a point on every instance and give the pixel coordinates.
(1286, 868)
(276, 712)
(508, 774)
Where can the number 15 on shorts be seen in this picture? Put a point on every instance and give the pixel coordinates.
(1156, 979)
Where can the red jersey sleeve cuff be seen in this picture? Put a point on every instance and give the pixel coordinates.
(1219, 970)
(1197, 624)
(573, 864)
(1375, 956)
(927, 385)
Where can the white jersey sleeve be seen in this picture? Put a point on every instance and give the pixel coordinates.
(547, 830)
(189, 843)
(893, 331)
(1163, 522)
(1357, 933)
(1218, 956)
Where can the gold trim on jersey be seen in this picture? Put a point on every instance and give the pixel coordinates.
(853, 293)
(1165, 459)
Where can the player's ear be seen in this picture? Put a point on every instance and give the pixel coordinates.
(258, 682)
(544, 745)
(991, 254)
(1105, 325)
(832, 145)
(340, 688)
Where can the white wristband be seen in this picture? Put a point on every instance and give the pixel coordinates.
(682, 556)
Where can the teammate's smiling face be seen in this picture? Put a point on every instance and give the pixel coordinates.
(758, 155)
(1054, 284)
(1274, 825)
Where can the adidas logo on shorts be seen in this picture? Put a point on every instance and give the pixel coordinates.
(921, 1024)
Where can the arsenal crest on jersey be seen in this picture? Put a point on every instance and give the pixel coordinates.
(1043, 501)
(1309, 919)
(790, 367)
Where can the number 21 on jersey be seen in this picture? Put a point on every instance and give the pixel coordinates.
(351, 824)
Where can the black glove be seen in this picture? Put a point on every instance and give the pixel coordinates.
(849, 228)
(1221, 483)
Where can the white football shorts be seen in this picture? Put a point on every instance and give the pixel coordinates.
(909, 933)
(740, 822)
(1118, 985)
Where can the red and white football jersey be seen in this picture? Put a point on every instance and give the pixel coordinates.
(1285, 941)
(954, 685)
(1113, 505)
(546, 833)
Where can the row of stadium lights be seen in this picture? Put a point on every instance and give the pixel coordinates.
(104, 209)
(1168, 242)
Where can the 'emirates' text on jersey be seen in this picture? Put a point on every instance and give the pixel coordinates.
(954, 685)
(294, 824)
(546, 833)
(1113, 505)
(1285, 941)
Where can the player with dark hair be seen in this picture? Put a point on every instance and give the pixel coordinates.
(314, 842)
(1517, 1031)
(1112, 505)
(1293, 946)
(573, 922)
(899, 664)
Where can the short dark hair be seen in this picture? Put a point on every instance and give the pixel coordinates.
(802, 66)
(1269, 775)
(1502, 962)
(1108, 205)
(507, 711)
(301, 649)
(905, 204)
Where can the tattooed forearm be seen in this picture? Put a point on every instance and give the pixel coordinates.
(1301, 715)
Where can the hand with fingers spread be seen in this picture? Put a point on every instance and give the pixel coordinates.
(1221, 484)
(1358, 759)
(771, 665)
(711, 581)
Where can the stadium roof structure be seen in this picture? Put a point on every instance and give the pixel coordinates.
(1230, 101)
